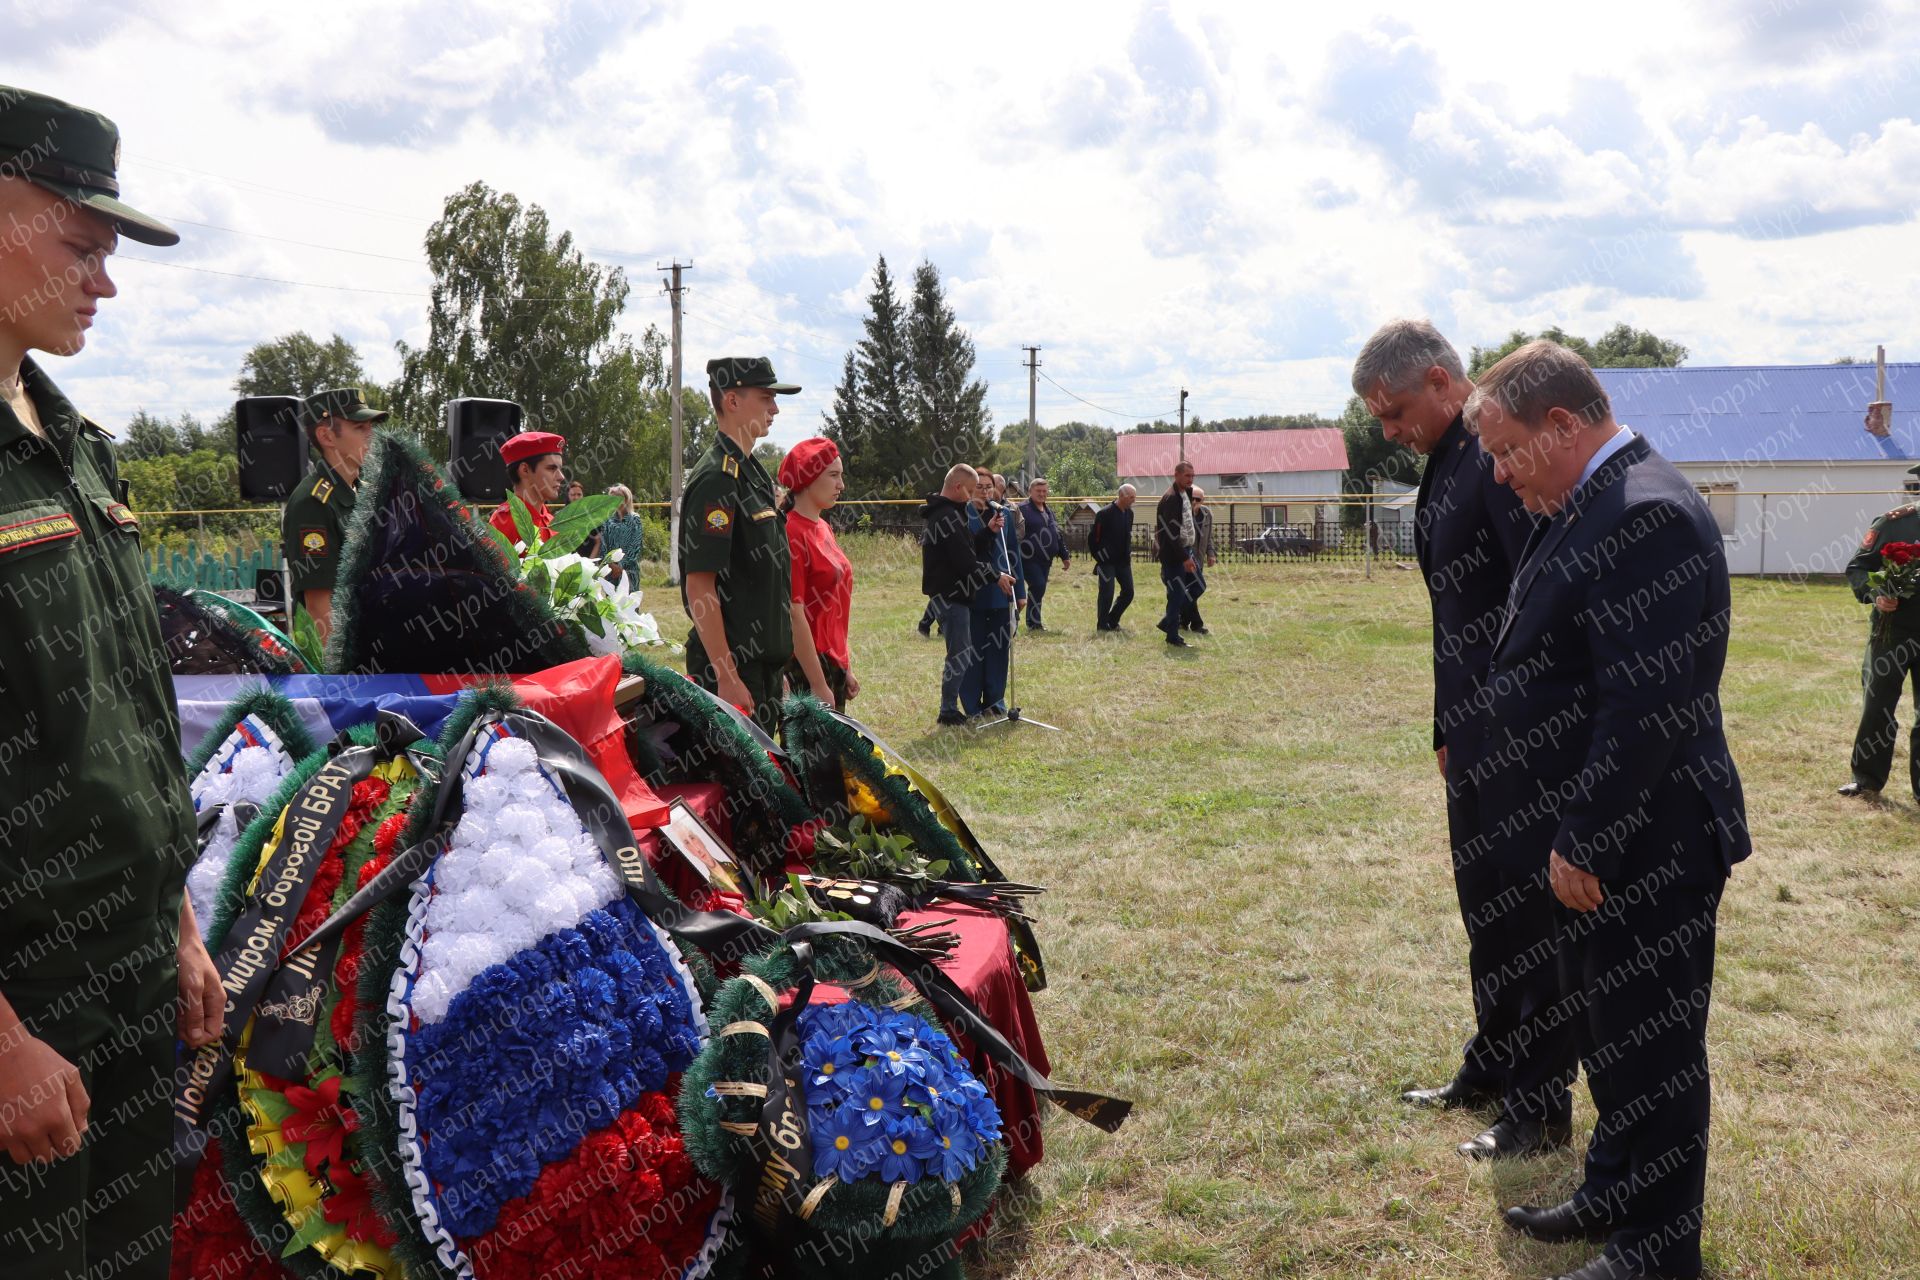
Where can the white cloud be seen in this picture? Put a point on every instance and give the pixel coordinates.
(1223, 196)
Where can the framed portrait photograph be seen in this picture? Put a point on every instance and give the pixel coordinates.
(694, 841)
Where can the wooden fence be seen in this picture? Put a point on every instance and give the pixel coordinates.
(232, 570)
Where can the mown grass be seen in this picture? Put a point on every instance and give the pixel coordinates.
(1252, 933)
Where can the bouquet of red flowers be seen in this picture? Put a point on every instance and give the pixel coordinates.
(1898, 577)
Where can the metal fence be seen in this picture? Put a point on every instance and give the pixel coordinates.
(1811, 530)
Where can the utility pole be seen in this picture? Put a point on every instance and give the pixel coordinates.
(1033, 430)
(1183, 424)
(678, 448)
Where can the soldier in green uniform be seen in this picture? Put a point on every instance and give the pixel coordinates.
(100, 959)
(1892, 660)
(735, 576)
(339, 425)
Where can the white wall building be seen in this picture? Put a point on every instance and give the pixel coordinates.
(1253, 472)
(1780, 452)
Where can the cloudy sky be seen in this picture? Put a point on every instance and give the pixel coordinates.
(1225, 197)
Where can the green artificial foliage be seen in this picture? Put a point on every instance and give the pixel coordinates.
(262, 1214)
(270, 707)
(762, 806)
(423, 586)
(827, 753)
(823, 747)
(850, 1210)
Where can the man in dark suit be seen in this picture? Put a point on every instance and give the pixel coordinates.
(1468, 532)
(1606, 760)
(1110, 543)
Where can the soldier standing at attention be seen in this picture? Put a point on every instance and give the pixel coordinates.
(736, 579)
(339, 426)
(100, 958)
(533, 473)
(1893, 658)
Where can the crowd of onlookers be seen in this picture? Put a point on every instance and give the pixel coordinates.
(986, 561)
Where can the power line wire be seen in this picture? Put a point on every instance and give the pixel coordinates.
(242, 275)
(1118, 413)
(306, 244)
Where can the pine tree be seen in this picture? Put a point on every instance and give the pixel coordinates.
(885, 379)
(846, 422)
(949, 406)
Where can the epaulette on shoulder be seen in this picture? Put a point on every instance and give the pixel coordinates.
(1897, 512)
(88, 424)
(730, 465)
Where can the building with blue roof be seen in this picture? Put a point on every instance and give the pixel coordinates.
(1780, 452)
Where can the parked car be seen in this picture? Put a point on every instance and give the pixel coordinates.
(1279, 540)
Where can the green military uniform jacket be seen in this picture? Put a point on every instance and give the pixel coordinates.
(96, 828)
(314, 527)
(729, 528)
(1902, 524)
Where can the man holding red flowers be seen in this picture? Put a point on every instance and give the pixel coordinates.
(1883, 574)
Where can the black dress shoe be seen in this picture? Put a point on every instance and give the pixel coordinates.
(925, 629)
(1558, 1224)
(1452, 1096)
(952, 717)
(1510, 1139)
(1863, 792)
(1173, 638)
(1198, 629)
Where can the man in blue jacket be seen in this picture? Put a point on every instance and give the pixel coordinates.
(1468, 533)
(1039, 549)
(1605, 764)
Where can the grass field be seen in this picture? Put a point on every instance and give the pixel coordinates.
(1252, 933)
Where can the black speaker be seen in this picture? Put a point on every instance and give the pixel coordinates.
(269, 589)
(476, 429)
(271, 447)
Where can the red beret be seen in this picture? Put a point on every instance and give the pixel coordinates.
(530, 444)
(805, 461)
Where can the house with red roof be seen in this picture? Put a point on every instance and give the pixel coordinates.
(1280, 472)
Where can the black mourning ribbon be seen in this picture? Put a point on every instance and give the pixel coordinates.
(725, 936)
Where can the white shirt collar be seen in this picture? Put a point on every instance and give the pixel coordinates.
(1620, 440)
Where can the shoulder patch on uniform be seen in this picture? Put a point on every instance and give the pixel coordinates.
(730, 465)
(1866, 540)
(121, 514)
(323, 490)
(32, 532)
(313, 540)
(718, 519)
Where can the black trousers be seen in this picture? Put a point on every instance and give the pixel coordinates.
(1641, 969)
(1889, 665)
(1109, 608)
(108, 1210)
(1523, 1044)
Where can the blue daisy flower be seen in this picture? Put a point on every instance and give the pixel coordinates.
(843, 1144)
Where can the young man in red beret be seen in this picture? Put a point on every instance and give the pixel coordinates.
(534, 474)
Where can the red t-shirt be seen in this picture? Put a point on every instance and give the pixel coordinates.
(502, 519)
(822, 584)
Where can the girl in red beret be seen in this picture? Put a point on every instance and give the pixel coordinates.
(822, 662)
